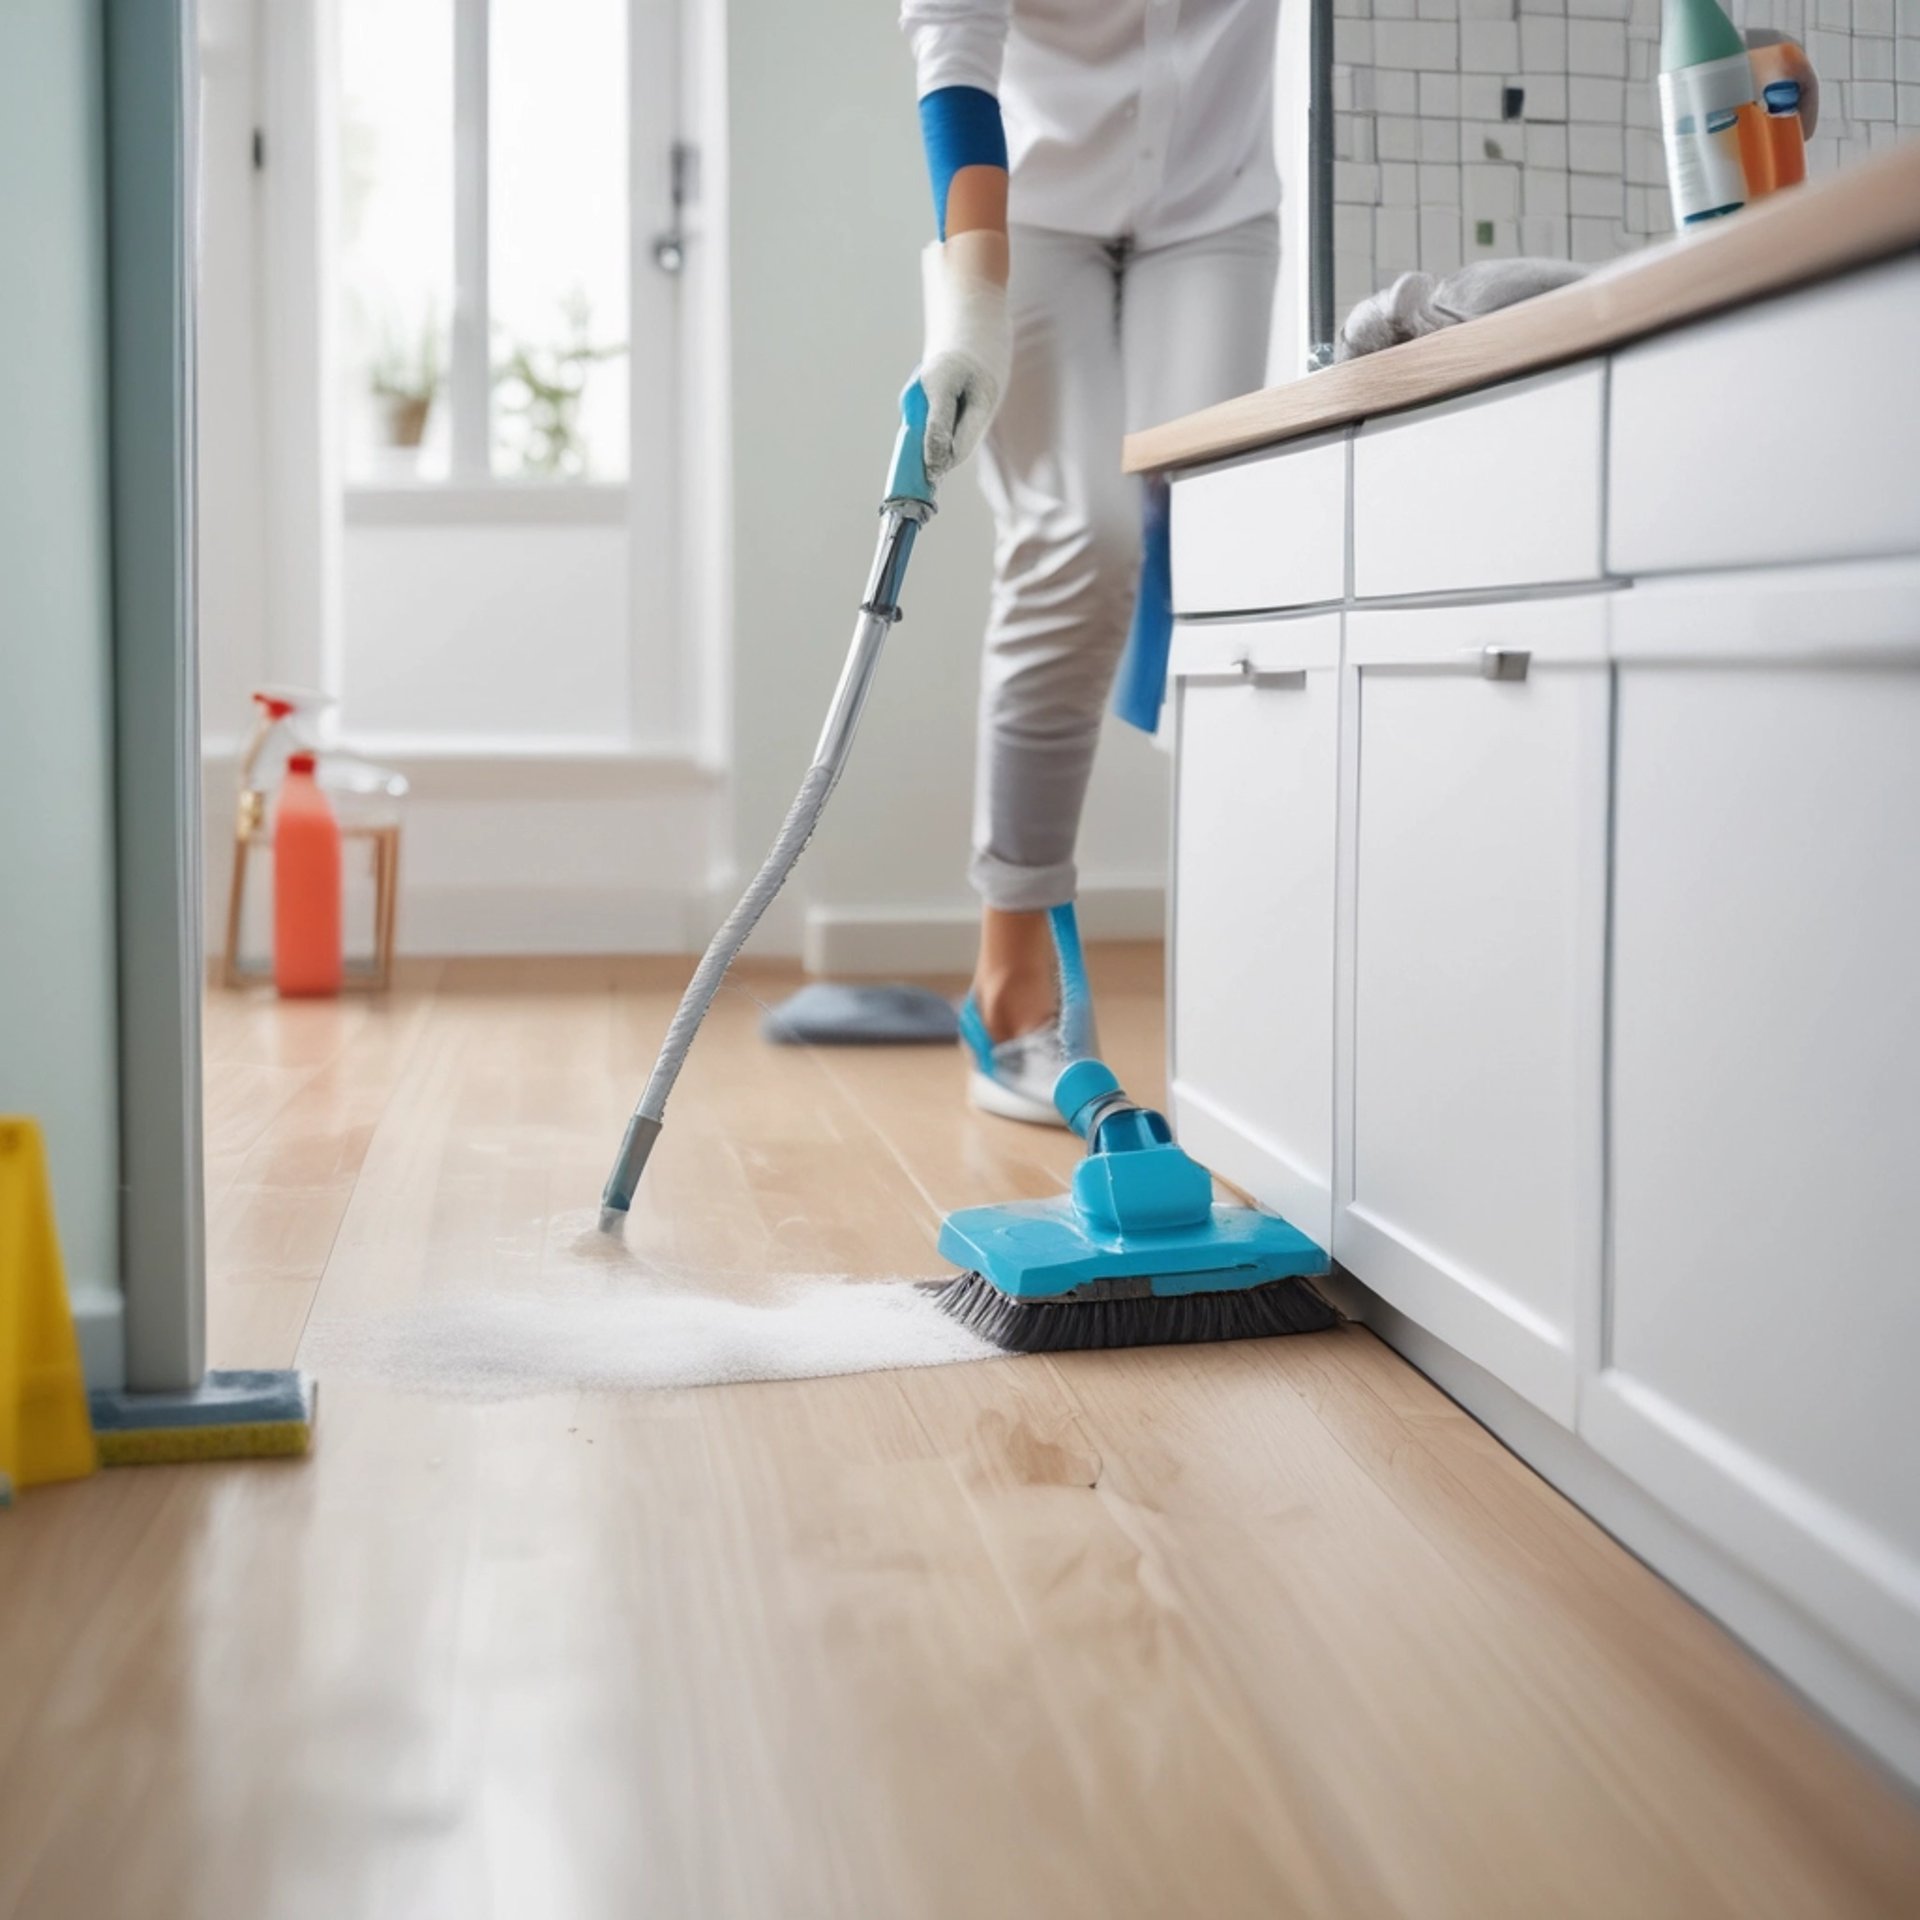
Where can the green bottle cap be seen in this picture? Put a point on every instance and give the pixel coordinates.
(1693, 32)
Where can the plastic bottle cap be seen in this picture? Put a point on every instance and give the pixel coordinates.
(299, 763)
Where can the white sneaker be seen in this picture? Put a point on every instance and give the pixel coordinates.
(1013, 1078)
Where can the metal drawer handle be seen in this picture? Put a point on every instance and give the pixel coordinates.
(1269, 678)
(1504, 663)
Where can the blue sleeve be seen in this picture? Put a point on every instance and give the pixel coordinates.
(961, 127)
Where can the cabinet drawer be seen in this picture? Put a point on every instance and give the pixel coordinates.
(1497, 490)
(1253, 909)
(1263, 533)
(1473, 977)
(1765, 1095)
(1782, 433)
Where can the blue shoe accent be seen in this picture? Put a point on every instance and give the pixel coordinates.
(1076, 995)
(973, 1030)
(1015, 1078)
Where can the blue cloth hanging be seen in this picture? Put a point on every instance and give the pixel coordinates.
(1141, 684)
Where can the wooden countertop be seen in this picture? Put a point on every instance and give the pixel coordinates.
(1867, 213)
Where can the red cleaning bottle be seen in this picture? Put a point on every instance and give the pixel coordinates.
(306, 885)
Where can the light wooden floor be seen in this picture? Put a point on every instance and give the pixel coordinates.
(1262, 1630)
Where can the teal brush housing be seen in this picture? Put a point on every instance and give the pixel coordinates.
(1140, 1218)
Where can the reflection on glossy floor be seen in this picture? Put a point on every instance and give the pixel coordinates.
(1263, 1630)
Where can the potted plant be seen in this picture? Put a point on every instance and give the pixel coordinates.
(405, 379)
(540, 387)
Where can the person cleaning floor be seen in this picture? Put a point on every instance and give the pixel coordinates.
(1105, 198)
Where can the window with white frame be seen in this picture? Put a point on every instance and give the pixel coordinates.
(483, 241)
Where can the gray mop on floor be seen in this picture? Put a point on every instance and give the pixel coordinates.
(830, 1015)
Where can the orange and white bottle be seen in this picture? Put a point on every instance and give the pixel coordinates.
(1789, 96)
(306, 885)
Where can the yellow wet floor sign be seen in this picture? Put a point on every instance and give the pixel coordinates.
(45, 1433)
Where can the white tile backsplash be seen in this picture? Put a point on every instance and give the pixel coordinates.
(1491, 140)
(1397, 137)
(1543, 43)
(1546, 145)
(1597, 149)
(1480, 96)
(1597, 47)
(1601, 100)
(1431, 172)
(1399, 184)
(1602, 194)
(1489, 46)
(1396, 241)
(1546, 96)
(1490, 192)
(1396, 92)
(1439, 239)
(1544, 190)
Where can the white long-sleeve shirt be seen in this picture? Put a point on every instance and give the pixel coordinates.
(1146, 119)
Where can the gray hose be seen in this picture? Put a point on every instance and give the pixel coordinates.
(722, 950)
(791, 841)
(878, 611)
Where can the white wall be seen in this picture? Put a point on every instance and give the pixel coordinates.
(483, 631)
(57, 981)
(829, 210)
(799, 321)
(233, 520)
(559, 798)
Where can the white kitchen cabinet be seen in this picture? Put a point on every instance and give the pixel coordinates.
(1251, 988)
(1262, 533)
(1623, 861)
(1762, 1306)
(1494, 490)
(1783, 433)
(1471, 976)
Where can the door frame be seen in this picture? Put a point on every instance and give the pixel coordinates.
(151, 88)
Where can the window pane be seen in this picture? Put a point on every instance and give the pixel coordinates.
(557, 241)
(396, 234)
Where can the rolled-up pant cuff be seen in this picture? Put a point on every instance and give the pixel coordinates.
(1012, 889)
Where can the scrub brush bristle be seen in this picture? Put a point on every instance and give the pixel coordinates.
(1134, 1319)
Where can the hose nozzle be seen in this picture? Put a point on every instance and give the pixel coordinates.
(624, 1181)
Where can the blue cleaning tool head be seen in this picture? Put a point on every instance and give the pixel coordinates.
(1138, 1253)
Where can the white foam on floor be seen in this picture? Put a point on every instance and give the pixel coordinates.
(496, 1346)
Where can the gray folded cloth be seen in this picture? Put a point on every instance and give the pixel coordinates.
(1419, 303)
(827, 1014)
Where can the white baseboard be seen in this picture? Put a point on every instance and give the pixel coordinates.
(943, 939)
(99, 1320)
(1796, 1646)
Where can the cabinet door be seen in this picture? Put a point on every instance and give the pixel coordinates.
(1473, 953)
(1253, 910)
(1757, 1352)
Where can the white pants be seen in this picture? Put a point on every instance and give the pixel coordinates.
(1106, 338)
